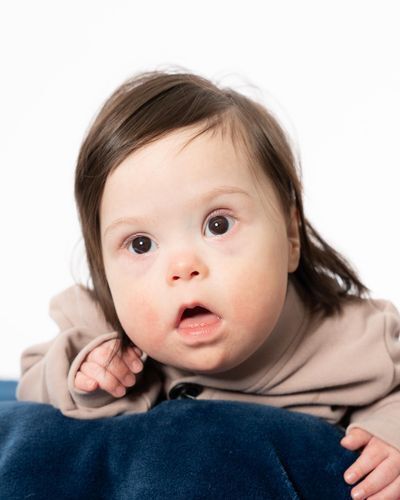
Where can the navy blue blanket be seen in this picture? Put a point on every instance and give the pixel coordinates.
(181, 449)
(7, 390)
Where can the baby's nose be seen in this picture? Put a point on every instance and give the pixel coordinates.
(186, 267)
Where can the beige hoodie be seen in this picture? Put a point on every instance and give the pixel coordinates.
(344, 369)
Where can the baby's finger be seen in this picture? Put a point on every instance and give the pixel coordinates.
(121, 371)
(106, 380)
(379, 478)
(132, 360)
(85, 383)
(392, 491)
(117, 367)
(356, 438)
(138, 351)
(103, 352)
(370, 458)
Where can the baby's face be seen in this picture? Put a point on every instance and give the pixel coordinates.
(189, 226)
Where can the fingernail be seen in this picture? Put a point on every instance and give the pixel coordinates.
(357, 495)
(137, 366)
(350, 477)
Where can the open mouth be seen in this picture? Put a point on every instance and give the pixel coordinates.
(195, 316)
(195, 311)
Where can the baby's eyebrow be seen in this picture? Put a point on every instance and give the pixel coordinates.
(219, 191)
(204, 198)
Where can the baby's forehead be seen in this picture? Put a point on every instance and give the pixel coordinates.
(204, 156)
(176, 141)
(184, 158)
(221, 152)
(216, 145)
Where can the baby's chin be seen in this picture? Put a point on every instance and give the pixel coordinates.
(205, 365)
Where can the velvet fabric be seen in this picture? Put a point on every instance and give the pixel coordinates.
(181, 449)
(7, 390)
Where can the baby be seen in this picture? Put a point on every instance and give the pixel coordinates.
(208, 281)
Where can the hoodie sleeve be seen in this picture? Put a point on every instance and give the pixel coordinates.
(48, 370)
(382, 417)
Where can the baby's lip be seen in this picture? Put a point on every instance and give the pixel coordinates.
(190, 305)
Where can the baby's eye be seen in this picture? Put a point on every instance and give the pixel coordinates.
(220, 224)
(140, 244)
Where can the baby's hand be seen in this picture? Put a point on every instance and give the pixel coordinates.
(114, 378)
(380, 458)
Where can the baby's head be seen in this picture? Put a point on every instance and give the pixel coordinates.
(188, 196)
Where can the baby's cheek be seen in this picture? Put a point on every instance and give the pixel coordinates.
(144, 326)
(257, 304)
(243, 308)
(248, 318)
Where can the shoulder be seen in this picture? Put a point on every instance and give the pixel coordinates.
(389, 316)
(75, 306)
(358, 346)
(367, 324)
(370, 313)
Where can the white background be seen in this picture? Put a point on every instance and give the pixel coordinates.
(330, 69)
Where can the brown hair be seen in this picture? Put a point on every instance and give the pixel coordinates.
(152, 104)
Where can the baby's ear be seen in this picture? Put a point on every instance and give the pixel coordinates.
(293, 240)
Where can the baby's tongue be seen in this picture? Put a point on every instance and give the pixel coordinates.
(203, 318)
